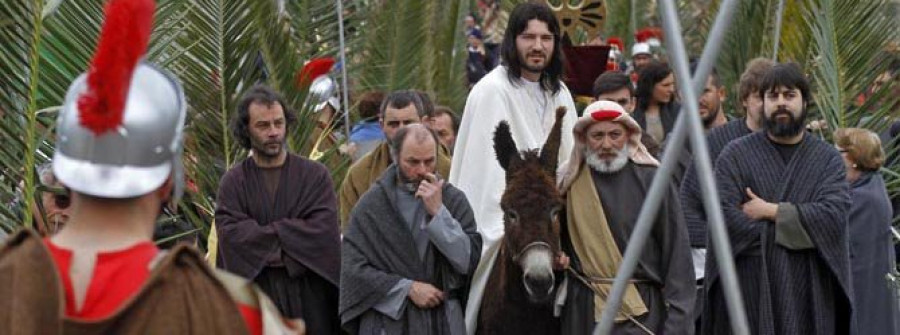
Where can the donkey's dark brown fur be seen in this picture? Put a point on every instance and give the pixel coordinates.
(531, 204)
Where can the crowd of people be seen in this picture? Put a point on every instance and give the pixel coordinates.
(407, 242)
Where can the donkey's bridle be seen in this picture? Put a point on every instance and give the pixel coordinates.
(531, 245)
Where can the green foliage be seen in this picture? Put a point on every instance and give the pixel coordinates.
(416, 44)
(847, 54)
(218, 48)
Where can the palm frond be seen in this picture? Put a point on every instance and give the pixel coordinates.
(448, 45)
(749, 36)
(19, 100)
(848, 42)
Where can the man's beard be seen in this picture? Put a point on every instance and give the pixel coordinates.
(534, 68)
(785, 129)
(603, 166)
(711, 116)
(408, 184)
(262, 149)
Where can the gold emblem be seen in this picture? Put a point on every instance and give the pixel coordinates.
(588, 15)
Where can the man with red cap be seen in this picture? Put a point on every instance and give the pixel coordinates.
(604, 184)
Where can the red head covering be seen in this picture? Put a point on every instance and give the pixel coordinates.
(123, 41)
(600, 111)
(617, 42)
(313, 69)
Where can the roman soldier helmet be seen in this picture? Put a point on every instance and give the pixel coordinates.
(322, 88)
(119, 133)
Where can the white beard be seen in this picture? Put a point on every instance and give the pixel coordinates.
(603, 166)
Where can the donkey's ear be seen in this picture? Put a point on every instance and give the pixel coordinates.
(504, 145)
(550, 151)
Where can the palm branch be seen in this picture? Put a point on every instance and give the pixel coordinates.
(849, 38)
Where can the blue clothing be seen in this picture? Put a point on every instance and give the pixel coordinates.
(366, 131)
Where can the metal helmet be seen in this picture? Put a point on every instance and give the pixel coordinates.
(323, 91)
(137, 156)
(640, 48)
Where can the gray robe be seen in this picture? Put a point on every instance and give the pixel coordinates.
(665, 263)
(381, 251)
(691, 196)
(872, 256)
(794, 274)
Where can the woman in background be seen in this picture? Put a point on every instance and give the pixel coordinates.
(871, 252)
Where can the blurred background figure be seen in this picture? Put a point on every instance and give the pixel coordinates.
(444, 123)
(493, 24)
(479, 61)
(871, 251)
(656, 110)
(471, 24)
(366, 134)
(51, 209)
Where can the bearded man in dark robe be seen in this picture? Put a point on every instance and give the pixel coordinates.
(410, 248)
(691, 194)
(605, 183)
(786, 202)
(276, 217)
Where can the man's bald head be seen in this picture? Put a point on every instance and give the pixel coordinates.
(413, 134)
(415, 152)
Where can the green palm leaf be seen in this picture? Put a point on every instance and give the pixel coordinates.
(849, 39)
(19, 70)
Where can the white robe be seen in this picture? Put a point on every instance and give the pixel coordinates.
(475, 168)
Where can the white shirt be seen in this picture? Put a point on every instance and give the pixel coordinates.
(475, 169)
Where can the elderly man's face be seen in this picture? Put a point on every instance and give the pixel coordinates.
(606, 148)
(606, 139)
(417, 158)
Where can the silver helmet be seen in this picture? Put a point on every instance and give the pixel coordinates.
(323, 91)
(137, 156)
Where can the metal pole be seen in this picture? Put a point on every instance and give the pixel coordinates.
(633, 22)
(663, 176)
(345, 92)
(779, 16)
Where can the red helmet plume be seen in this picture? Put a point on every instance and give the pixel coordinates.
(617, 42)
(123, 41)
(312, 70)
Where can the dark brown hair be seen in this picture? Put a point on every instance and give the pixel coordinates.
(258, 94)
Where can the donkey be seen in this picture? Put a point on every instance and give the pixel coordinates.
(520, 288)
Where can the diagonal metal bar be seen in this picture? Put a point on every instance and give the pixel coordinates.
(779, 17)
(688, 124)
(345, 92)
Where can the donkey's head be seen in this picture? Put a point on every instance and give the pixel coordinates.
(531, 205)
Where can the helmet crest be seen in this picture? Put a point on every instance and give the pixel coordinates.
(123, 41)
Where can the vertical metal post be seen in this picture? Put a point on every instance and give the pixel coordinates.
(660, 183)
(779, 16)
(345, 90)
(633, 22)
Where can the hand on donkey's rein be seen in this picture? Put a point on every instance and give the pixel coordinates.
(561, 261)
